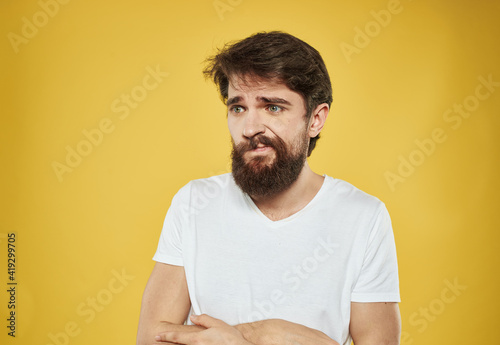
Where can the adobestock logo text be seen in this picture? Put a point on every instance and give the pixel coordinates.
(31, 26)
(122, 106)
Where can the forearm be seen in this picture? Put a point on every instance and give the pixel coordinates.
(165, 303)
(281, 332)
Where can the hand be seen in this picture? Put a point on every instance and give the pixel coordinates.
(281, 332)
(217, 332)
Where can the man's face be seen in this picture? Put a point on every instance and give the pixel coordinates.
(269, 133)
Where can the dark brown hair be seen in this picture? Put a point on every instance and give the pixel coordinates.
(274, 55)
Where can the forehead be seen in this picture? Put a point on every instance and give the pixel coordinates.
(254, 88)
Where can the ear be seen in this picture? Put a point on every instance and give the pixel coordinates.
(318, 119)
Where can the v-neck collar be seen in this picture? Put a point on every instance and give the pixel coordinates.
(280, 222)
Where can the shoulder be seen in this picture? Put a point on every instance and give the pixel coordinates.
(209, 187)
(211, 184)
(212, 180)
(348, 196)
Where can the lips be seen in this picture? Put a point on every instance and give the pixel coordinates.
(260, 142)
(256, 145)
(261, 148)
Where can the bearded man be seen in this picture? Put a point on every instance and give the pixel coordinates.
(273, 253)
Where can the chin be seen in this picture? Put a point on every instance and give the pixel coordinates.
(260, 162)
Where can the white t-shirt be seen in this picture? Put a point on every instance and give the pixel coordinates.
(241, 266)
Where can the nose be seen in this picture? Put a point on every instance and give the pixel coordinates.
(254, 124)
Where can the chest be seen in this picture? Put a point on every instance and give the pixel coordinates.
(237, 272)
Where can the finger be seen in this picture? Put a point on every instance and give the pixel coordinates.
(207, 321)
(160, 342)
(176, 337)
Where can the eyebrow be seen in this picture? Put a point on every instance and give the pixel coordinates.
(233, 100)
(276, 100)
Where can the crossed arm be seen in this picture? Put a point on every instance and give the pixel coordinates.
(166, 304)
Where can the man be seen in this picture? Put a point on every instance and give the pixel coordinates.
(273, 253)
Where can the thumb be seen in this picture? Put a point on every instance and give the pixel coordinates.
(206, 321)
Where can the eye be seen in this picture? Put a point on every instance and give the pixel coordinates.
(274, 108)
(236, 109)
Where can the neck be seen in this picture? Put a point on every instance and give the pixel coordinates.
(294, 198)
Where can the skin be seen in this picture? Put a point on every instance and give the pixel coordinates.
(375, 323)
(251, 113)
(257, 107)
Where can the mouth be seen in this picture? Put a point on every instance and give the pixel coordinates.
(261, 148)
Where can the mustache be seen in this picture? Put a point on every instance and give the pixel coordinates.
(253, 142)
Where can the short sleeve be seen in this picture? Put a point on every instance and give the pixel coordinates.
(169, 250)
(379, 280)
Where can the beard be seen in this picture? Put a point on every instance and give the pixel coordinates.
(260, 178)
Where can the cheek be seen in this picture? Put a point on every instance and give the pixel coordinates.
(289, 131)
(297, 138)
(233, 129)
(278, 126)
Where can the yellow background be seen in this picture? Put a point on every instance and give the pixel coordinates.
(104, 217)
